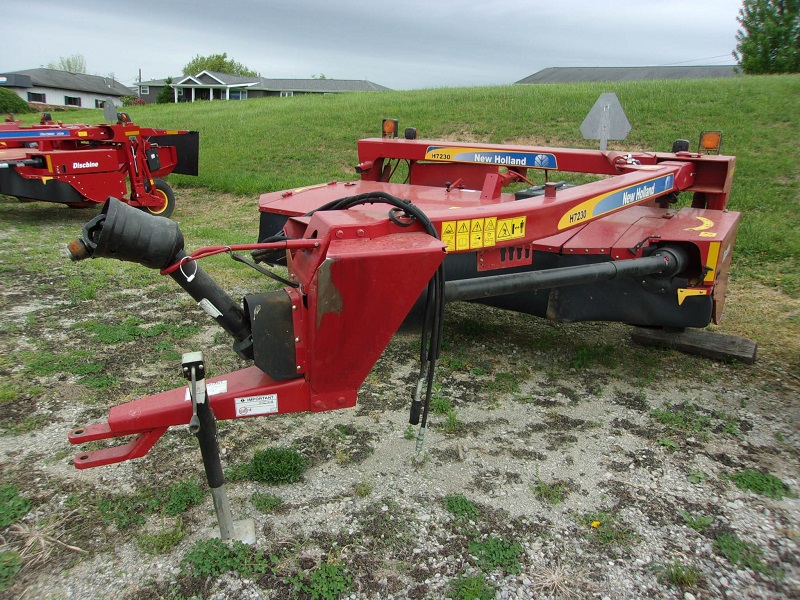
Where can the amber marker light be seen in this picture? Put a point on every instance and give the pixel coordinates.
(710, 142)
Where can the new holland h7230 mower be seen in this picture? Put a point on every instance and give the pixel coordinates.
(363, 255)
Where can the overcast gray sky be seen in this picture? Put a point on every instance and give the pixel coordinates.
(405, 44)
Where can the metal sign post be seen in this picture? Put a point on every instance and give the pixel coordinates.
(606, 121)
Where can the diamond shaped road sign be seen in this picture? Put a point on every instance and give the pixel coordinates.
(606, 121)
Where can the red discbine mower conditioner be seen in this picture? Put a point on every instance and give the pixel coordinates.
(83, 165)
(362, 254)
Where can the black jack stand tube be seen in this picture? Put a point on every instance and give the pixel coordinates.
(204, 426)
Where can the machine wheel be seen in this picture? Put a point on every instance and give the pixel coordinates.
(164, 191)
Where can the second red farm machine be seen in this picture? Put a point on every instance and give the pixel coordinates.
(364, 255)
(83, 165)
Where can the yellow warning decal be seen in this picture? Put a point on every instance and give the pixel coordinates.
(82, 134)
(510, 229)
(711, 262)
(472, 234)
(684, 293)
(476, 233)
(49, 163)
(449, 235)
(489, 231)
(462, 234)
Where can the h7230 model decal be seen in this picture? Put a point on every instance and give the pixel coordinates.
(615, 200)
(488, 156)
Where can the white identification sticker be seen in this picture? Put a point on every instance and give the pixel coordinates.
(215, 387)
(207, 306)
(257, 405)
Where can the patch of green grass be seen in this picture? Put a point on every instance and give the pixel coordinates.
(740, 553)
(680, 575)
(686, 419)
(8, 393)
(177, 498)
(99, 382)
(12, 506)
(10, 564)
(471, 587)
(461, 507)
(163, 541)
(589, 355)
(606, 530)
(79, 362)
(25, 425)
(277, 466)
(121, 511)
(329, 581)
(128, 511)
(506, 383)
(132, 329)
(410, 433)
(497, 553)
(212, 558)
(761, 482)
(363, 489)
(265, 502)
(696, 522)
(550, 493)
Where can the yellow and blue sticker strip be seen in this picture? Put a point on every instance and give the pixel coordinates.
(614, 200)
(487, 156)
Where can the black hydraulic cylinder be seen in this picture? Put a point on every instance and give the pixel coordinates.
(665, 262)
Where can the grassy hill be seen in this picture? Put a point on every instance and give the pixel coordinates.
(262, 145)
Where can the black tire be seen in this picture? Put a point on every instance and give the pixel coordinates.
(163, 190)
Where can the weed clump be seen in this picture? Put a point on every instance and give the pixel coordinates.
(277, 466)
(12, 506)
(740, 553)
(461, 507)
(328, 581)
(497, 553)
(471, 587)
(10, 564)
(212, 558)
(761, 483)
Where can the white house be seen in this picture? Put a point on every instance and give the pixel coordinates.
(61, 88)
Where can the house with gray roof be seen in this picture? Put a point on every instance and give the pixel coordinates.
(580, 74)
(61, 88)
(210, 85)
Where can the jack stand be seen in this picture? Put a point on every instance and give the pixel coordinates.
(204, 426)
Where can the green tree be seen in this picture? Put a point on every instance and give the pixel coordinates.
(166, 96)
(72, 64)
(769, 38)
(219, 63)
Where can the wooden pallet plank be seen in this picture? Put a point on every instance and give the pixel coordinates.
(699, 341)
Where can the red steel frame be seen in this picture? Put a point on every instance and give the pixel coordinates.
(359, 273)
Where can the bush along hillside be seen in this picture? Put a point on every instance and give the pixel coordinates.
(11, 103)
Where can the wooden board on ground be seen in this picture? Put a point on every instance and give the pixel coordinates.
(699, 341)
